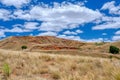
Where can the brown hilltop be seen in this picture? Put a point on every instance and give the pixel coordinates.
(39, 43)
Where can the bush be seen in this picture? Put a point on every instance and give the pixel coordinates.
(99, 43)
(114, 50)
(6, 70)
(24, 47)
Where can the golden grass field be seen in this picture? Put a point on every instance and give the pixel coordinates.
(42, 66)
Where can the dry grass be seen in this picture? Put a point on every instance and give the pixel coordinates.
(41, 66)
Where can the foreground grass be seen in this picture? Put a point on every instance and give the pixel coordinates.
(41, 66)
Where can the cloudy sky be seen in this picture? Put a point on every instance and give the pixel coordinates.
(83, 20)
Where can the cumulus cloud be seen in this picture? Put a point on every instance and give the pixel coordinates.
(79, 31)
(70, 33)
(2, 33)
(21, 14)
(4, 14)
(107, 25)
(26, 27)
(16, 3)
(60, 16)
(19, 28)
(111, 21)
(118, 32)
(53, 26)
(47, 34)
(31, 25)
(70, 37)
(95, 40)
(116, 38)
(111, 7)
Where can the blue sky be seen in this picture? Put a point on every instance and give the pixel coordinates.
(83, 20)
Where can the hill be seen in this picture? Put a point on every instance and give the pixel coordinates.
(56, 45)
(72, 60)
(39, 42)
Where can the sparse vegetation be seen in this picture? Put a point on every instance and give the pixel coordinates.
(88, 62)
(24, 47)
(41, 66)
(99, 43)
(6, 70)
(114, 50)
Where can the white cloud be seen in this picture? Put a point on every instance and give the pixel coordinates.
(111, 7)
(31, 25)
(20, 14)
(16, 3)
(17, 30)
(4, 14)
(53, 26)
(47, 34)
(70, 32)
(73, 37)
(64, 17)
(70, 37)
(116, 38)
(27, 27)
(69, 13)
(109, 22)
(118, 32)
(107, 25)
(104, 34)
(2, 33)
(60, 16)
(95, 40)
(79, 31)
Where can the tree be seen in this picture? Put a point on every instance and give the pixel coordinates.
(114, 50)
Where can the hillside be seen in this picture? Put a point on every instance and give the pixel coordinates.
(67, 59)
(39, 42)
(41, 66)
(52, 44)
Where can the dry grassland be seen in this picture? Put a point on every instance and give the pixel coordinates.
(42, 66)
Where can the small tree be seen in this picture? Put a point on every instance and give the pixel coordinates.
(24, 47)
(114, 50)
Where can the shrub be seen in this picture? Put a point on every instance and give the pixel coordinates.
(24, 47)
(114, 50)
(99, 43)
(6, 70)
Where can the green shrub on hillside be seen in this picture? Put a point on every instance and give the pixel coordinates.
(99, 43)
(6, 70)
(24, 47)
(114, 50)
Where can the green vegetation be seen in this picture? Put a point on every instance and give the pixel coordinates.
(114, 50)
(6, 70)
(24, 47)
(99, 43)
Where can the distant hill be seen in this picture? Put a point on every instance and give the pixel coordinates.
(38, 43)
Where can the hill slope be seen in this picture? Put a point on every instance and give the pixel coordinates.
(50, 43)
(41, 66)
(39, 42)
